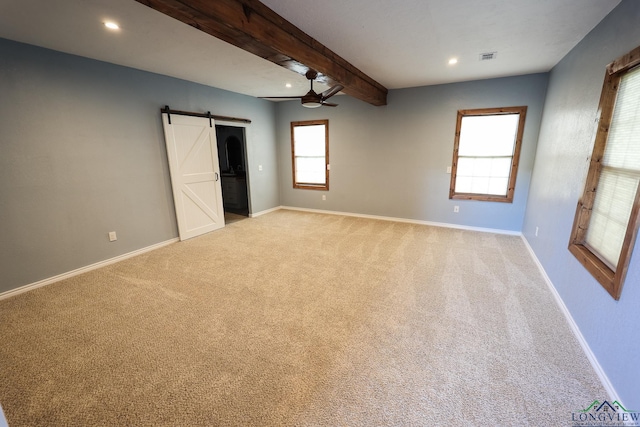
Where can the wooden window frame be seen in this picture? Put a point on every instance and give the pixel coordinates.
(308, 186)
(508, 198)
(610, 279)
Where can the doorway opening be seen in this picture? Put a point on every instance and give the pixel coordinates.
(232, 155)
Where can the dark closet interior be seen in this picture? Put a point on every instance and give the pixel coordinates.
(233, 167)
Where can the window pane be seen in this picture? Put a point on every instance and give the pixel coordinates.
(623, 142)
(610, 215)
(498, 186)
(310, 154)
(619, 178)
(465, 167)
(501, 167)
(616, 178)
(483, 175)
(491, 135)
(463, 184)
(310, 170)
(309, 140)
(482, 167)
(480, 185)
(485, 153)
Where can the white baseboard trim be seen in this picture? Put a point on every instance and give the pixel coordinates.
(69, 274)
(257, 214)
(613, 395)
(405, 220)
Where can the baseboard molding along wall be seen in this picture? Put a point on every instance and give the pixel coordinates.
(405, 220)
(572, 324)
(69, 274)
(257, 214)
(613, 395)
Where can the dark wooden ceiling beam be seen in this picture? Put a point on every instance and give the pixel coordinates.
(252, 26)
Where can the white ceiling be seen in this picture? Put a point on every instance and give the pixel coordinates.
(404, 43)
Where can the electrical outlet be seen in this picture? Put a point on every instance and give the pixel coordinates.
(536, 231)
(448, 169)
(324, 197)
(456, 209)
(259, 167)
(112, 236)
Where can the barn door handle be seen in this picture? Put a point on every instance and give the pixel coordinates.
(216, 175)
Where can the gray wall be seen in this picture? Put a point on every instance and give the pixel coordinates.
(82, 153)
(392, 160)
(566, 139)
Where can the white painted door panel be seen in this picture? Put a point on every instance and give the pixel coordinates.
(195, 174)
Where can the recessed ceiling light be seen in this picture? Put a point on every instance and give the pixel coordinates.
(453, 61)
(288, 85)
(111, 25)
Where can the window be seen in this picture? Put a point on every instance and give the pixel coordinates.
(607, 216)
(486, 153)
(310, 154)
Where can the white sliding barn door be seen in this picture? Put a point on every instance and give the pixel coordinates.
(195, 174)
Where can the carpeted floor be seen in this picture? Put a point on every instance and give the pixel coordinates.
(298, 319)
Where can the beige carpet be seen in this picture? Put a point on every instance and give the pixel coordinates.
(299, 319)
(230, 217)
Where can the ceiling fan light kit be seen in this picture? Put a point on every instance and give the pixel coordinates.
(312, 99)
(311, 104)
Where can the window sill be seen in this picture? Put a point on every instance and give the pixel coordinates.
(311, 187)
(481, 197)
(598, 269)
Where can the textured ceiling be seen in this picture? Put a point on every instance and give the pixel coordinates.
(400, 44)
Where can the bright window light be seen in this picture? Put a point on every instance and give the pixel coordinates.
(310, 153)
(486, 153)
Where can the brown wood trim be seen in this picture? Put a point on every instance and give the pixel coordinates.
(522, 111)
(492, 111)
(454, 162)
(516, 153)
(625, 62)
(305, 186)
(253, 27)
(605, 115)
(598, 269)
(611, 280)
(481, 197)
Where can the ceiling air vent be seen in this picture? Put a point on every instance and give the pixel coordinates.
(488, 56)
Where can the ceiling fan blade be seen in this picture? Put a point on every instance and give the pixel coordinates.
(312, 99)
(280, 97)
(331, 91)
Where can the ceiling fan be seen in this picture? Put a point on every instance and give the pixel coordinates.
(312, 99)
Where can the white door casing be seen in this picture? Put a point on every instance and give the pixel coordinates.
(192, 151)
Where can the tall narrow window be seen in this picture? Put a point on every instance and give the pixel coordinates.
(310, 154)
(607, 217)
(486, 153)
